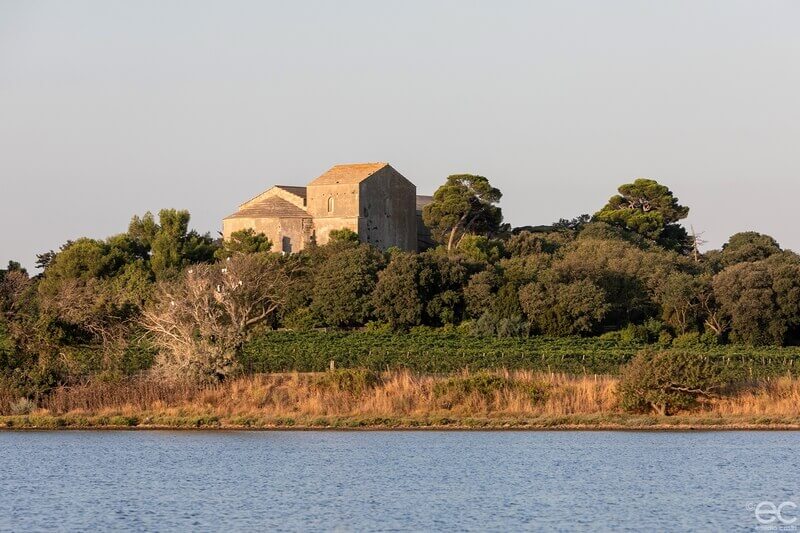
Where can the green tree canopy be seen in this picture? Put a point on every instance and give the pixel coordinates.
(419, 289)
(558, 308)
(650, 209)
(344, 236)
(748, 246)
(761, 299)
(668, 381)
(170, 243)
(245, 241)
(464, 204)
(343, 285)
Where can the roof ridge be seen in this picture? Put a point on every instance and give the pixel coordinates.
(348, 173)
(273, 204)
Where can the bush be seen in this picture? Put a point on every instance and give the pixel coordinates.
(687, 340)
(665, 339)
(23, 406)
(376, 326)
(696, 340)
(356, 381)
(458, 388)
(489, 324)
(300, 319)
(648, 332)
(668, 381)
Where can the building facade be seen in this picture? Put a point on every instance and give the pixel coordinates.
(371, 199)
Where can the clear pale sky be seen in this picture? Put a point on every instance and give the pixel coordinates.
(109, 109)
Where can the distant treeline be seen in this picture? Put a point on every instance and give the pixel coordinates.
(162, 298)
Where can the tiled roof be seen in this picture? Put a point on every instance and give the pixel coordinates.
(354, 173)
(271, 207)
(293, 189)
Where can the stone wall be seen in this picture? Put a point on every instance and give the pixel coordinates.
(286, 234)
(344, 208)
(388, 211)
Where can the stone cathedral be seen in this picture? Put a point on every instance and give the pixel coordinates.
(371, 199)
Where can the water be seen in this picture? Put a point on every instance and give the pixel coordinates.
(355, 481)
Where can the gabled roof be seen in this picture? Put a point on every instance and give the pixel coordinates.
(353, 173)
(271, 207)
(293, 189)
(299, 192)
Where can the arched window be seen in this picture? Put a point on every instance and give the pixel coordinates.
(330, 204)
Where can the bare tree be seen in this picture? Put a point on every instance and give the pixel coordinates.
(697, 242)
(201, 321)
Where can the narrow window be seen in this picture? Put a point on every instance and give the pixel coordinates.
(330, 204)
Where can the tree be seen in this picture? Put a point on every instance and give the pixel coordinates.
(201, 320)
(144, 230)
(14, 281)
(13, 266)
(680, 298)
(480, 249)
(397, 298)
(573, 224)
(668, 381)
(245, 241)
(343, 285)
(464, 204)
(558, 308)
(761, 299)
(44, 259)
(627, 274)
(343, 236)
(481, 291)
(419, 289)
(96, 287)
(172, 245)
(748, 246)
(526, 243)
(650, 209)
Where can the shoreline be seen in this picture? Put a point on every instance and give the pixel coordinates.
(616, 422)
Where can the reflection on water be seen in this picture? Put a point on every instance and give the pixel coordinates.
(394, 480)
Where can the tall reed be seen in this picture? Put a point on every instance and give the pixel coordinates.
(357, 393)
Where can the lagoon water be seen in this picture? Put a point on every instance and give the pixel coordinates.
(374, 480)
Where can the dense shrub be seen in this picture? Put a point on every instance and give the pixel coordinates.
(356, 381)
(669, 381)
(485, 386)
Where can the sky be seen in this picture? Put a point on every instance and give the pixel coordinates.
(110, 109)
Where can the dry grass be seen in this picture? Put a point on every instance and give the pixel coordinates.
(776, 396)
(349, 393)
(401, 398)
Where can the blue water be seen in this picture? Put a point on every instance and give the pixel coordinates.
(356, 481)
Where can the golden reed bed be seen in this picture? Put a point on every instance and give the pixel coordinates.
(516, 399)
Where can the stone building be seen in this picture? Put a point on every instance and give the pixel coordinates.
(371, 199)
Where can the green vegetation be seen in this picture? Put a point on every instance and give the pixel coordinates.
(582, 296)
(440, 351)
(670, 381)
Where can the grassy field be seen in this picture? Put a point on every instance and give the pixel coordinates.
(399, 399)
